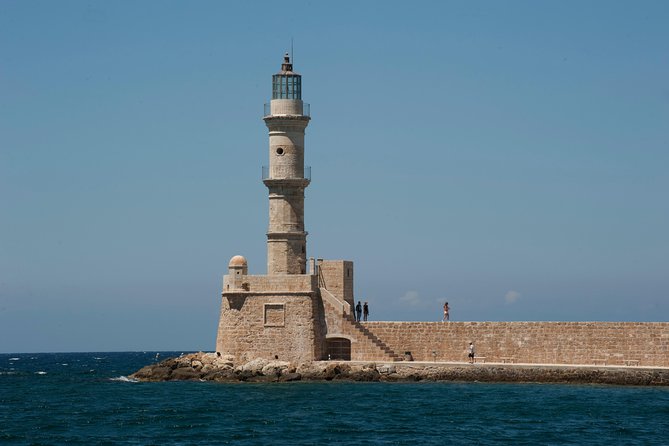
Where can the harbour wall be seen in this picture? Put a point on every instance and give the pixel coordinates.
(596, 343)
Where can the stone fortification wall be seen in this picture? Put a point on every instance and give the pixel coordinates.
(279, 326)
(271, 317)
(605, 343)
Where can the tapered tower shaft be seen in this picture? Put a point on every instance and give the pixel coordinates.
(286, 118)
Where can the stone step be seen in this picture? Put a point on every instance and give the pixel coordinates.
(375, 342)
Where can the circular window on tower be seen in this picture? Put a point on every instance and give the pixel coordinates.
(279, 151)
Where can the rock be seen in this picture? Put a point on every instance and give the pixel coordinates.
(291, 376)
(186, 374)
(255, 366)
(221, 376)
(367, 375)
(221, 362)
(209, 366)
(196, 364)
(335, 369)
(152, 373)
(183, 361)
(311, 370)
(386, 369)
(275, 368)
(244, 375)
(208, 358)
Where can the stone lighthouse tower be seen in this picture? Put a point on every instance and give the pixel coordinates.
(286, 118)
(290, 314)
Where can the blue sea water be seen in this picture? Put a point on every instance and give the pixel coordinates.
(84, 398)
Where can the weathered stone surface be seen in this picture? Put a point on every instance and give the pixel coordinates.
(255, 366)
(261, 370)
(293, 376)
(153, 373)
(564, 343)
(272, 317)
(185, 374)
(277, 368)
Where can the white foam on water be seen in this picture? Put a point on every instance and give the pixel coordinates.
(14, 359)
(96, 358)
(124, 379)
(65, 364)
(40, 373)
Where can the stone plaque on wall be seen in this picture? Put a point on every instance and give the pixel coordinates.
(275, 315)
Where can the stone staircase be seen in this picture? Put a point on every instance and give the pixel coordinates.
(389, 353)
(369, 346)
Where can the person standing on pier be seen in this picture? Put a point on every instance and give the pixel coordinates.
(358, 311)
(365, 312)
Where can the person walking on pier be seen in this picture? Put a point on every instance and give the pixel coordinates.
(365, 312)
(446, 315)
(471, 353)
(358, 311)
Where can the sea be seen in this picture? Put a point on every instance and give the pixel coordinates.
(88, 399)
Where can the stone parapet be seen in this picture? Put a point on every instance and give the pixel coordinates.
(284, 283)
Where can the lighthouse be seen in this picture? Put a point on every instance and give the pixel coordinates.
(286, 117)
(290, 313)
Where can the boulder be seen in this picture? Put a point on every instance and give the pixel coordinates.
(255, 366)
(386, 369)
(223, 362)
(186, 374)
(226, 375)
(291, 376)
(154, 372)
(311, 370)
(196, 364)
(276, 368)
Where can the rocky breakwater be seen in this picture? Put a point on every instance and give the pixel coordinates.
(212, 367)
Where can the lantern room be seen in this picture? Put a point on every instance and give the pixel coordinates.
(286, 84)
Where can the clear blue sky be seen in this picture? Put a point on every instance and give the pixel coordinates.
(509, 157)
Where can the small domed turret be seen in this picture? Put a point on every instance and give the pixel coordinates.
(237, 261)
(238, 266)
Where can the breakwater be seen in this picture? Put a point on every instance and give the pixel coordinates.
(212, 367)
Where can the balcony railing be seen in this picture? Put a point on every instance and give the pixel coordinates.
(306, 110)
(277, 172)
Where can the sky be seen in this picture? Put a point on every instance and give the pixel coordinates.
(507, 157)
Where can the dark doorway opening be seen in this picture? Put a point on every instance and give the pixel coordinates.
(339, 348)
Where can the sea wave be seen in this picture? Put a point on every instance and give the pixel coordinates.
(124, 379)
(40, 373)
(14, 359)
